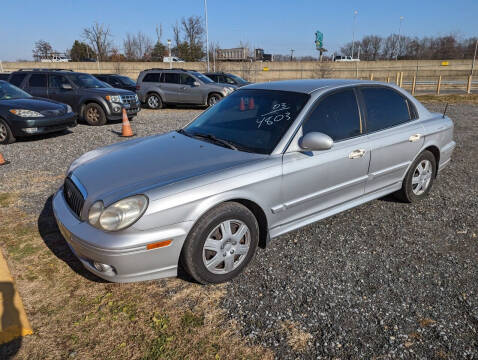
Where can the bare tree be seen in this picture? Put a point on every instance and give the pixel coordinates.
(137, 46)
(370, 47)
(177, 34)
(99, 37)
(42, 49)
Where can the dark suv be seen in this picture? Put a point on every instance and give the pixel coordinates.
(87, 95)
(117, 81)
(227, 78)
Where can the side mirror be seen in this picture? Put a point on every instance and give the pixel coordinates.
(196, 83)
(66, 86)
(315, 141)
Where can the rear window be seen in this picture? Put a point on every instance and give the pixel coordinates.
(37, 80)
(17, 79)
(152, 77)
(385, 108)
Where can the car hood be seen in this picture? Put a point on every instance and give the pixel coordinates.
(108, 91)
(136, 166)
(35, 104)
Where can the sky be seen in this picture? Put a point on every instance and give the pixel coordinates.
(275, 26)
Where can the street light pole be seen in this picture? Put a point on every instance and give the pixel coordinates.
(399, 37)
(169, 51)
(353, 33)
(291, 54)
(207, 36)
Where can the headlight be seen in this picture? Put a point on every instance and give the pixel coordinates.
(114, 98)
(119, 215)
(136, 97)
(69, 109)
(26, 113)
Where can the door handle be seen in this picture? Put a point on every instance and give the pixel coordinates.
(414, 137)
(357, 154)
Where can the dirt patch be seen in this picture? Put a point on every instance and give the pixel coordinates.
(75, 314)
(297, 339)
(452, 99)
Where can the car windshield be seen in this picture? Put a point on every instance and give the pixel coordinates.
(86, 81)
(238, 79)
(202, 77)
(127, 81)
(251, 120)
(8, 91)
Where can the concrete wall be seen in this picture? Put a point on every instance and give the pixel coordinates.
(269, 71)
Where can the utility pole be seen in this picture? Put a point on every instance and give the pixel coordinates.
(353, 32)
(291, 54)
(399, 37)
(207, 36)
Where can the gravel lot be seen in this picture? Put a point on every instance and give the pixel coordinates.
(384, 280)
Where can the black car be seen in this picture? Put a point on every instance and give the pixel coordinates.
(117, 81)
(89, 97)
(227, 78)
(4, 76)
(23, 115)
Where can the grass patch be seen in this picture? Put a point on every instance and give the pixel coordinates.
(6, 199)
(452, 98)
(297, 339)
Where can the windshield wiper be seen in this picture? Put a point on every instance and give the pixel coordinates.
(214, 139)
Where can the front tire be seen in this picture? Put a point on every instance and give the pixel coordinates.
(221, 244)
(154, 101)
(6, 134)
(94, 115)
(419, 179)
(213, 99)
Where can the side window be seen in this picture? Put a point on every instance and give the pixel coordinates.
(56, 81)
(37, 80)
(171, 78)
(337, 116)
(152, 77)
(385, 108)
(186, 79)
(16, 79)
(212, 77)
(229, 80)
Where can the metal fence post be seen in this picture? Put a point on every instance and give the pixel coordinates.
(439, 85)
(468, 86)
(388, 79)
(401, 79)
(397, 79)
(371, 76)
(414, 84)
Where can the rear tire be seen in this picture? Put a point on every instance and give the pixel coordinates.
(232, 235)
(94, 115)
(419, 179)
(6, 134)
(153, 101)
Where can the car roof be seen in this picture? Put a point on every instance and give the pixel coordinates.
(308, 86)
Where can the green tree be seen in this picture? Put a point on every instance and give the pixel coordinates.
(81, 51)
(158, 52)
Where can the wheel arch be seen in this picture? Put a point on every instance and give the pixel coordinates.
(436, 153)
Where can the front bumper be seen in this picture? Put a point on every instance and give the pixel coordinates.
(132, 109)
(43, 125)
(125, 251)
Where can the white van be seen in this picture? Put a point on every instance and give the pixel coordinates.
(172, 59)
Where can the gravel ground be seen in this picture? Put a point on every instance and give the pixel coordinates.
(385, 279)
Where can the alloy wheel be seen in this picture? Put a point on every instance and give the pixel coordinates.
(3, 132)
(422, 177)
(153, 101)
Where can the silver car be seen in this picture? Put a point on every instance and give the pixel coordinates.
(268, 159)
(159, 87)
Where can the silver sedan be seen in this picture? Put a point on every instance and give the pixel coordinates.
(268, 159)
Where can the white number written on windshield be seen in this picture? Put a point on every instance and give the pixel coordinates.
(278, 113)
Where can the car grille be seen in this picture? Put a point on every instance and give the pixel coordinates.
(57, 112)
(129, 99)
(73, 196)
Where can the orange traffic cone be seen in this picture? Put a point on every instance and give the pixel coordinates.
(251, 103)
(242, 105)
(126, 131)
(3, 161)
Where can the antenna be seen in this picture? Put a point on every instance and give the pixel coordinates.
(444, 111)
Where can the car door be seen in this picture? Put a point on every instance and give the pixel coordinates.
(170, 87)
(316, 181)
(188, 92)
(37, 85)
(60, 89)
(394, 135)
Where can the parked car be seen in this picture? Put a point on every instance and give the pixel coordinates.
(268, 159)
(172, 59)
(159, 87)
(89, 97)
(117, 81)
(227, 79)
(4, 76)
(23, 115)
